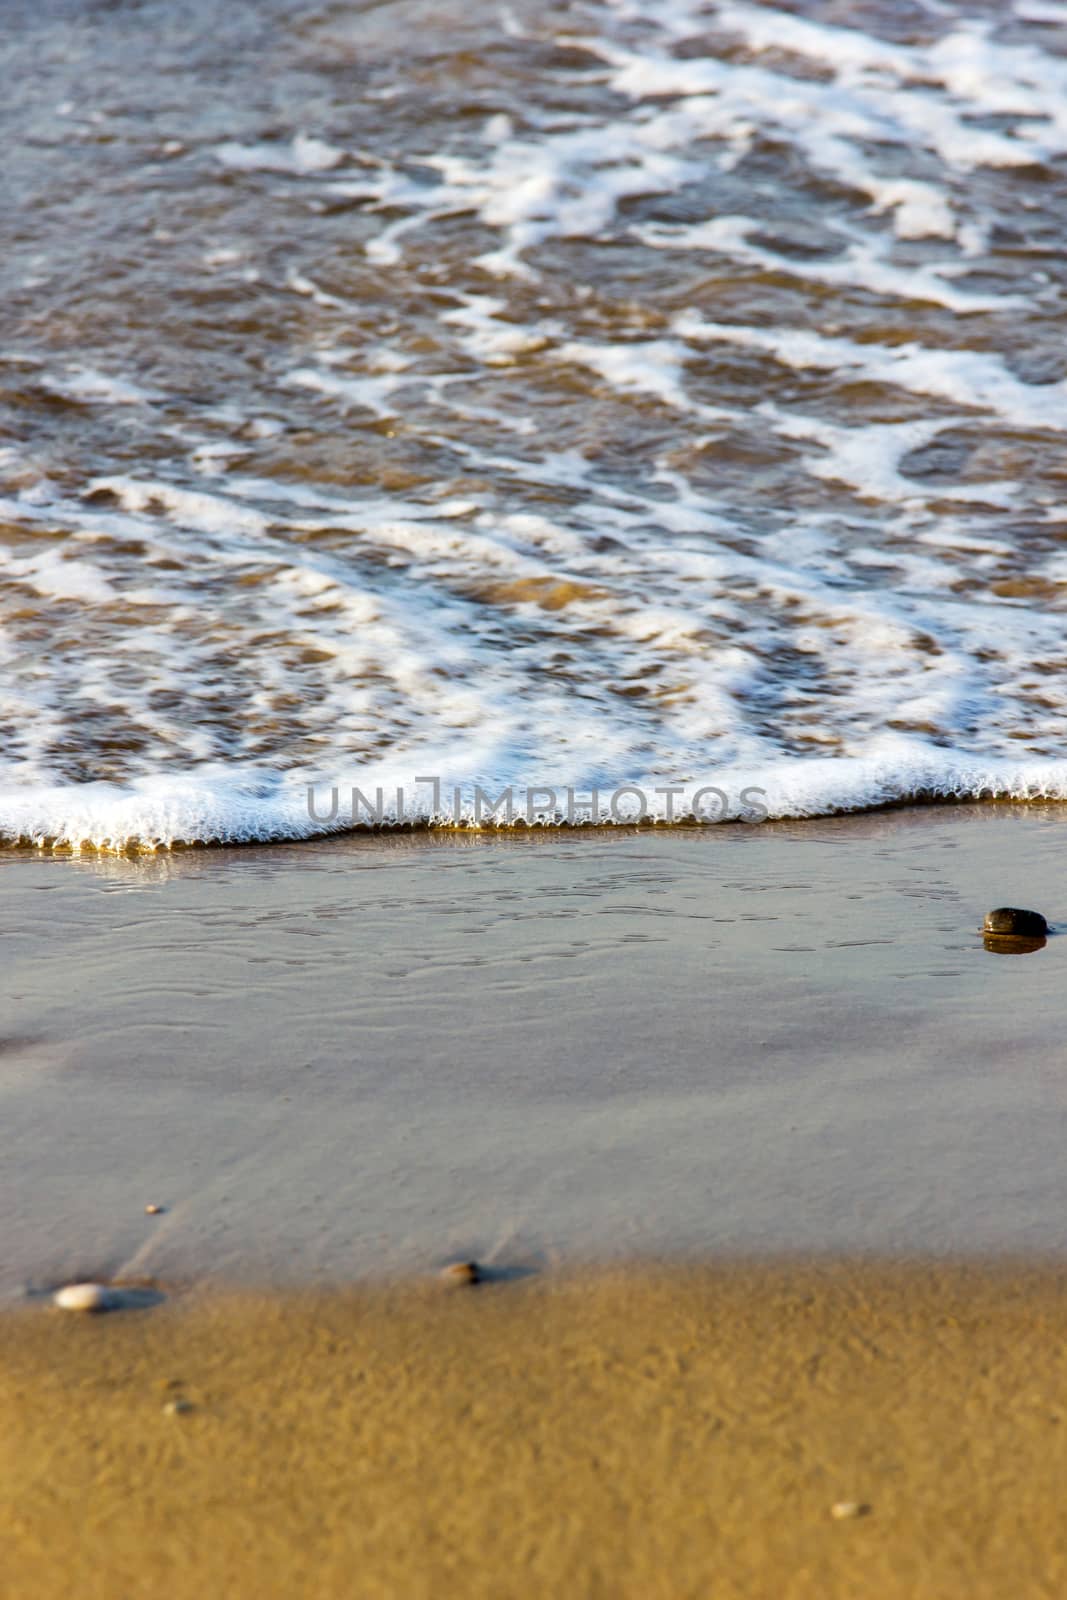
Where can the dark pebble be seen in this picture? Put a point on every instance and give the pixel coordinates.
(1008, 944)
(1008, 922)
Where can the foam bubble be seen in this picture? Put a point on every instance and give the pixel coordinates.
(90, 387)
(301, 156)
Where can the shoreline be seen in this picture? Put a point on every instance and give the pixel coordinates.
(182, 813)
(865, 1430)
(435, 828)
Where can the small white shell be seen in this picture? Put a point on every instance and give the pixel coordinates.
(86, 1297)
(847, 1508)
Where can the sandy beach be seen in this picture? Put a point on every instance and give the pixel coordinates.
(760, 1146)
(648, 1434)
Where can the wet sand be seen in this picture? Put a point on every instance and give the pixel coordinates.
(642, 1434)
(334, 1061)
(721, 1054)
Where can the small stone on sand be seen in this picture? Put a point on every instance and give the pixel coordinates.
(153, 1210)
(460, 1272)
(1011, 922)
(178, 1407)
(87, 1297)
(842, 1510)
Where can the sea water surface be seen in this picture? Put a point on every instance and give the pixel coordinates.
(358, 1057)
(573, 394)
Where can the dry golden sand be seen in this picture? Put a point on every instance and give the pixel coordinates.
(657, 1433)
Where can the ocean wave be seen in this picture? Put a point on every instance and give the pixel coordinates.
(157, 814)
(677, 398)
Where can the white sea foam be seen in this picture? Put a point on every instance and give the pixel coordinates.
(89, 387)
(964, 377)
(487, 337)
(450, 682)
(1052, 11)
(302, 155)
(862, 263)
(868, 459)
(218, 809)
(646, 367)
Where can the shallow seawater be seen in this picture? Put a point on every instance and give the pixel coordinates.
(365, 1056)
(552, 396)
